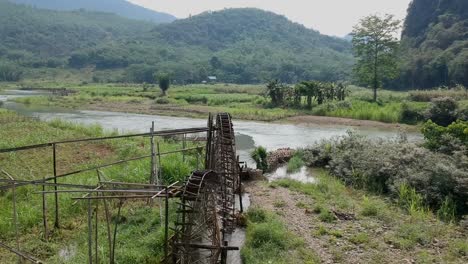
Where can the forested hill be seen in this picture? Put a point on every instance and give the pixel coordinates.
(236, 45)
(119, 7)
(435, 44)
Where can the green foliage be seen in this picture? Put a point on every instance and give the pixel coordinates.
(410, 114)
(268, 241)
(383, 166)
(375, 46)
(295, 164)
(410, 200)
(139, 73)
(326, 216)
(458, 93)
(447, 211)
(434, 44)
(443, 111)
(369, 207)
(164, 81)
(446, 139)
(10, 72)
(360, 238)
(236, 45)
(141, 236)
(259, 155)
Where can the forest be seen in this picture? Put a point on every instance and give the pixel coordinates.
(434, 49)
(236, 45)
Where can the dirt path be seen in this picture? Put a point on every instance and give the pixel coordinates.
(336, 246)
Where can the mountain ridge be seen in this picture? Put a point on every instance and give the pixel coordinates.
(237, 45)
(119, 7)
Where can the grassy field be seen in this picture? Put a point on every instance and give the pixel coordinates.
(345, 225)
(242, 101)
(140, 234)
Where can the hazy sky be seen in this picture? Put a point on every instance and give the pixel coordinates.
(331, 17)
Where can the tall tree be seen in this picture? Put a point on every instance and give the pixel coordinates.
(164, 81)
(375, 43)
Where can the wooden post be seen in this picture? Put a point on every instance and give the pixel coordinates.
(96, 232)
(159, 175)
(183, 147)
(90, 233)
(54, 156)
(15, 219)
(44, 212)
(106, 210)
(166, 225)
(153, 157)
(224, 253)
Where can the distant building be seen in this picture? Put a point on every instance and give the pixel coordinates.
(212, 79)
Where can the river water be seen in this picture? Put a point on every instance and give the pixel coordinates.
(249, 134)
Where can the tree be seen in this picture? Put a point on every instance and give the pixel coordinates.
(10, 72)
(309, 89)
(164, 81)
(375, 44)
(275, 90)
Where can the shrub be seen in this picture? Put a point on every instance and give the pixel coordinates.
(427, 96)
(410, 115)
(446, 139)
(369, 208)
(326, 216)
(384, 166)
(443, 111)
(447, 210)
(259, 155)
(360, 238)
(162, 100)
(295, 164)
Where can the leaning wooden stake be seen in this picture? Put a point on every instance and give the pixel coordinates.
(106, 211)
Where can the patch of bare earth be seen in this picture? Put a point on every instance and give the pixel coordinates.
(327, 120)
(336, 246)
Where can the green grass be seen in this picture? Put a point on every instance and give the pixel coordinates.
(139, 235)
(268, 241)
(295, 164)
(379, 223)
(242, 101)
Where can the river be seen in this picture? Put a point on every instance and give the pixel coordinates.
(249, 134)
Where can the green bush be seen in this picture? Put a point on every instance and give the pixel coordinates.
(162, 100)
(295, 164)
(259, 155)
(446, 139)
(443, 111)
(383, 166)
(410, 115)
